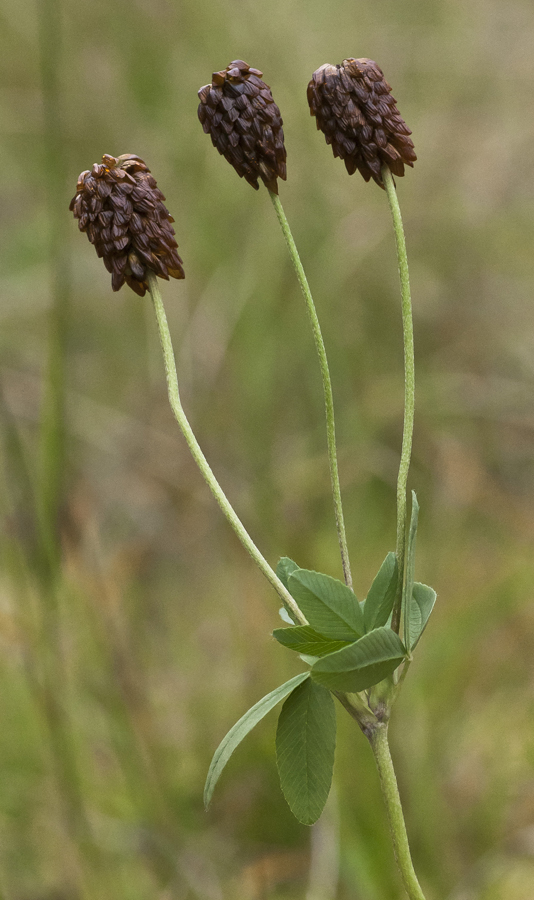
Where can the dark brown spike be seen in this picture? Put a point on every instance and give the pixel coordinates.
(119, 206)
(356, 112)
(237, 110)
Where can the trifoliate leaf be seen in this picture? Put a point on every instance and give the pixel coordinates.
(305, 747)
(362, 664)
(381, 596)
(423, 599)
(410, 568)
(240, 730)
(303, 639)
(329, 605)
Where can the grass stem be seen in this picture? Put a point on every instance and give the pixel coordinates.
(53, 430)
(48, 678)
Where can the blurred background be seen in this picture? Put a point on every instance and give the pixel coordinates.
(134, 630)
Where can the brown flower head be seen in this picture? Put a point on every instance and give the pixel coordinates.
(358, 116)
(238, 111)
(120, 207)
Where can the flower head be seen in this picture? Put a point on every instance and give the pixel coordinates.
(120, 207)
(358, 116)
(238, 111)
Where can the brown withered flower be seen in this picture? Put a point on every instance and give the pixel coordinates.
(120, 207)
(358, 116)
(238, 111)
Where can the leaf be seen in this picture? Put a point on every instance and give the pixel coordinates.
(304, 639)
(284, 615)
(410, 566)
(381, 596)
(305, 748)
(329, 605)
(362, 664)
(309, 660)
(240, 730)
(284, 569)
(423, 599)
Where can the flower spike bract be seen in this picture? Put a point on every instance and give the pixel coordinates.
(120, 207)
(237, 110)
(358, 116)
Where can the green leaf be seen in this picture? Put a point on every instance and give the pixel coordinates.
(362, 664)
(309, 660)
(240, 730)
(423, 599)
(305, 748)
(303, 639)
(284, 615)
(381, 596)
(284, 569)
(329, 605)
(410, 567)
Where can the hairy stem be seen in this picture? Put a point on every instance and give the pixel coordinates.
(327, 386)
(409, 387)
(390, 792)
(201, 461)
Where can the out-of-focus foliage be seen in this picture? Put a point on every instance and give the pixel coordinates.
(121, 670)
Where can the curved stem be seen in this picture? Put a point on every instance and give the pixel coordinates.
(409, 387)
(327, 386)
(201, 461)
(390, 792)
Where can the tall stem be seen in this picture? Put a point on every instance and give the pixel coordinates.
(390, 792)
(327, 386)
(201, 461)
(53, 431)
(48, 675)
(409, 386)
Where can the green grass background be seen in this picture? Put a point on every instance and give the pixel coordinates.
(134, 630)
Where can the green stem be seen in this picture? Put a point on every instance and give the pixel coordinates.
(390, 792)
(53, 431)
(49, 681)
(409, 387)
(327, 386)
(201, 461)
